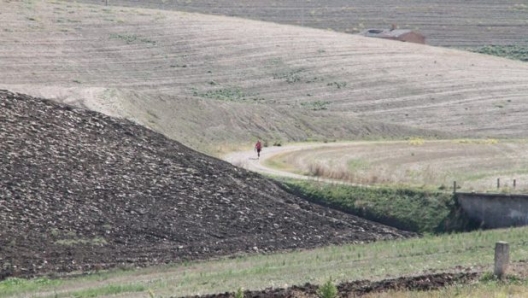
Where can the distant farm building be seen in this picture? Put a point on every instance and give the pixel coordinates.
(395, 34)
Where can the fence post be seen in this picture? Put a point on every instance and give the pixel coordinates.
(498, 183)
(514, 183)
(454, 186)
(502, 258)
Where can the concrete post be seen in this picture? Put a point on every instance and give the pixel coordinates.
(502, 258)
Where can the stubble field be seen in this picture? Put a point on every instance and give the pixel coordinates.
(475, 165)
(217, 83)
(449, 23)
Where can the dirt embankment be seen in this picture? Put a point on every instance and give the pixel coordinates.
(80, 191)
(362, 287)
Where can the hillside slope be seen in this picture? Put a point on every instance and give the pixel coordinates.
(80, 190)
(208, 81)
(443, 22)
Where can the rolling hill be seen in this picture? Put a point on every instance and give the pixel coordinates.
(216, 83)
(449, 23)
(83, 191)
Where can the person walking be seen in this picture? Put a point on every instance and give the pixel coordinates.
(258, 147)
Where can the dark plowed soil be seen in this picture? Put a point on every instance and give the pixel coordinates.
(444, 23)
(359, 288)
(80, 190)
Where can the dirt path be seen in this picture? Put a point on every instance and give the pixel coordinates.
(249, 160)
(418, 162)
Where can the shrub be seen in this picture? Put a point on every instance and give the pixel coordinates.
(239, 293)
(327, 290)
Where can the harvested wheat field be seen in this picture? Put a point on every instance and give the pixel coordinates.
(448, 23)
(212, 81)
(475, 165)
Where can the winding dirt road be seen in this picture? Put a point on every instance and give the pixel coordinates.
(406, 162)
(249, 161)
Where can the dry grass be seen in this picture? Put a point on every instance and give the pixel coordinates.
(474, 164)
(209, 80)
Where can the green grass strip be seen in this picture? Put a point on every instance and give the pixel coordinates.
(105, 291)
(416, 210)
(12, 286)
(374, 261)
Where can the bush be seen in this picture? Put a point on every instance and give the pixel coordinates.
(327, 290)
(239, 293)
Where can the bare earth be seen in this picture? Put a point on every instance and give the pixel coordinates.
(82, 191)
(444, 23)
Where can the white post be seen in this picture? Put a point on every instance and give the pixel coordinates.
(502, 258)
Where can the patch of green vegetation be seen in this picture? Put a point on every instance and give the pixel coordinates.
(357, 165)
(314, 80)
(501, 104)
(152, 115)
(327, 290)
(108, 290)
(278, 163)
(178, 65)
(109, 94)
(488, 141)
(228, 94)
(316, 105)
(239, 293)
(374, 261)
(132, 38)
(12, 286)
(290, 76)
(338, 85)
(275, 61)
(407, 209)
(515, 52)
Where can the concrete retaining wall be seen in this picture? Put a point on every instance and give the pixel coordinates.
(495, 210)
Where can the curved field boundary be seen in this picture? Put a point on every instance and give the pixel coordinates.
(446, 23)
(474, 164)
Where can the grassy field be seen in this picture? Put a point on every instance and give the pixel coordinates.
(408, 209)
(432, 165)
(514, 52)
(486, 288)
(373, 261)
